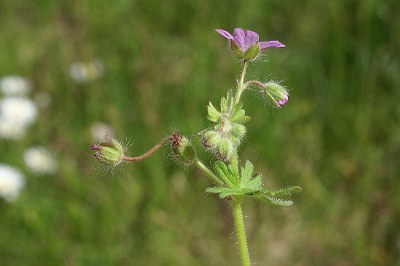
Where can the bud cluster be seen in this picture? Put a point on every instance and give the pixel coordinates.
(225, 136)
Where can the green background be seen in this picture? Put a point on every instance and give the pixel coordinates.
(338, 137)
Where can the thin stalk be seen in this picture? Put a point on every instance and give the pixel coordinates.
(255, 83)
(148, 153)
(208, 172)
(241, 86)
(240, 232)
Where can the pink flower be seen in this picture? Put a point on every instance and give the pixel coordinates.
(246, 41)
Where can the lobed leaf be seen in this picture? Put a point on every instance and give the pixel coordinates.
(286, 191)
(277, 201)
(213, 114)
(227, 175)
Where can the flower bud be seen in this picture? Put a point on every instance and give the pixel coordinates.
(110, 152)
(225, 149)
(277, 93)
(183, 149)
(238, 132)
(210, 138)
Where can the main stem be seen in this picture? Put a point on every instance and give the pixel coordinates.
(240, 85)
(240, 232)
(236, 204)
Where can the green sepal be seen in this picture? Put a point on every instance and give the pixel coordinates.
(252, 52)
(236, 50)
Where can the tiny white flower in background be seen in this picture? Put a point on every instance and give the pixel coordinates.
(40, 161)
(20, 110)
(14, 85)
(16, 114)
(11, 182)
(99, 130)
(86, 71)
(11, 130)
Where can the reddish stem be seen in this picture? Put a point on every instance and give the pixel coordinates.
(148, 153)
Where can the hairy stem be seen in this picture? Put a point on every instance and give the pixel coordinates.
(208, 172)
(148, 153)
(240, 232)
(255, 83)
(241, 86)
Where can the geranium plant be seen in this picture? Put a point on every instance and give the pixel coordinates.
(233, 179)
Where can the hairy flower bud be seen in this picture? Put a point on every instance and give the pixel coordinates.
(277, 93)
(238, 132)
(110, 152)
(225, 149)
(210, 138)
(183, 149)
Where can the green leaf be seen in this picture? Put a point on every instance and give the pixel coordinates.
(246, 173)
(256, 183)
(213, 114)
(227, 175)
(277, 201)
(224, 191)
(286, 191)
(239, 115)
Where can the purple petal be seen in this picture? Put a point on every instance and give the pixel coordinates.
(224, 33)
(95, 147)
(271, 44)
(283, 101)
(251, 38)
(240, 38)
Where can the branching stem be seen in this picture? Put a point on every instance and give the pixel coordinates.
(208, 172)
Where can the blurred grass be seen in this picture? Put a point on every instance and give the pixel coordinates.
(338, 137)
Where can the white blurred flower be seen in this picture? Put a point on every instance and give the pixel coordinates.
(86, 71)
(21, 110)
(16, 114)
(99, 130)
(14, 85)
(11, 182)
(40, 161)
(11, 130)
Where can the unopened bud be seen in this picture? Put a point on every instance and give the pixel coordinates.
(110, 152)
(183, 149)
(277, 93)
(225, 149)
(210, 138)
(237, 133)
